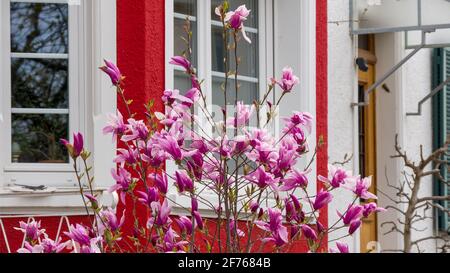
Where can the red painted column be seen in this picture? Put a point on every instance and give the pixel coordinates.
(322, 94)
(141, 59)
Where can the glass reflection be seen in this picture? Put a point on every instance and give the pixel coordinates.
(182, 82)
(39, 27)
(180, 40)
(188, 7)
(39, 83)
(36, 138)
(247, 91)
(248, 54)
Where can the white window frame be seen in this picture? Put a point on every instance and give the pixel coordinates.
(92, 37)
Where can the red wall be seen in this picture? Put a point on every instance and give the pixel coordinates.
(141, 57)
(322, 93)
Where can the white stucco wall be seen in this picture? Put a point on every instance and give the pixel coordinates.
(341, 82)
(407, 87)
(419, 129)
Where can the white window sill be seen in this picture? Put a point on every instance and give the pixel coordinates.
(62, 201)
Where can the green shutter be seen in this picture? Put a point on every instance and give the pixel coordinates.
(441, 125)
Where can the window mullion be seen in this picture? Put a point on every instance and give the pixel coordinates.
(182, 16)
(204, 60)
(39, 55)
(6, 132)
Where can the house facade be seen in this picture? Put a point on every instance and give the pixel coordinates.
(50, 85)
(368, 133)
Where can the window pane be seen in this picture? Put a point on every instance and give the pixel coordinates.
(247, 92)
(39, 27)
(252, 20)
(248, 53)
(39, 83)
(188, 7)
(35, 138)
(180, 39)
(182, 82)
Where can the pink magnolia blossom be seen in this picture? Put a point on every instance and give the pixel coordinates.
(200, 144)
(223, 146)
(108, 220)
(287, 159)
(288, 80)
(352, 217)
(198, 219)
(354, 226)
(183, 181)
(161, 182)
(195, 165)
(28, 248)
(322, 199)
(171, 146)
(258, 137)
(237, 18)
(123, 181)
(32, 230)
(336, 176)
(240, 144)
(341, 248)
(161, 214)
(264, 154)
(115, 126)
(92, 199)
(181, 61)
(113, 72)
(129, 156)
(51, 246)
(147, 198)
(279, 234)
(253, 206)
(47, 245)
(361, 188)
(194, 204)
(290, 210)
(371, 208)
(295, 179)
(298, 120)
(353, 213)
(77, 147)
(193, 95)
(153, 153)
(185, 224)
(308, 232)
(138, 130)
(243, 114)
(171, 96)
(170, 243)
(263, 179)
(79, 234)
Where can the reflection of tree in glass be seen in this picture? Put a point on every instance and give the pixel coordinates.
(38, 137)
(39, 28)
(39, 83)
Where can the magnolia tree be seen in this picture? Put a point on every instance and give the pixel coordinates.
(261, 197)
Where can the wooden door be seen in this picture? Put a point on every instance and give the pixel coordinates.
(367, 140)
